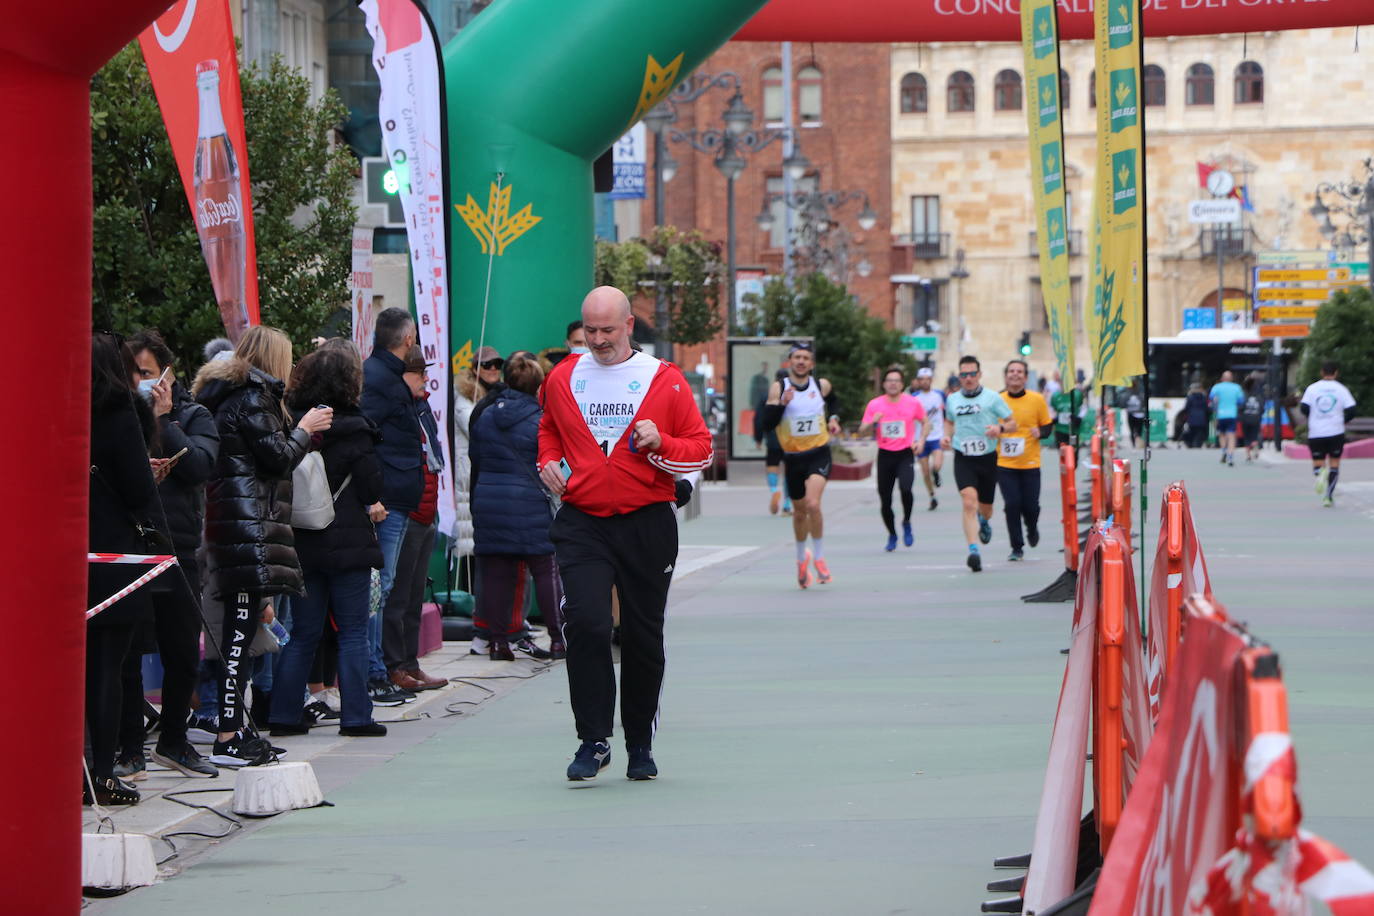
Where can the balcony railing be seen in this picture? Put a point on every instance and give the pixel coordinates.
(1075, 243)
(1235, 242)
(926, 246)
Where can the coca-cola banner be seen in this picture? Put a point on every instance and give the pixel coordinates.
(194, 68)
(360, 289)
(405, 52)
(1000, 20)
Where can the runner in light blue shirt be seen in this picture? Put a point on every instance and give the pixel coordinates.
(1226, 397)
(974, 420)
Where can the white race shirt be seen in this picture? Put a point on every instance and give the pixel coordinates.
(610, 396)
(1327, 400)
(934, 404)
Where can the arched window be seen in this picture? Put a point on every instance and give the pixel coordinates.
(1200, 85)
(1153, 90)
(772, 95)
(1092, 88)
(1063, 89)
(914, 94)
(1249, 83)
(960, 91)
(809, 94)
(1006, 91)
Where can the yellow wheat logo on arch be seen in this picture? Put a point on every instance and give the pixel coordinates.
(495, 227)
(658, 82)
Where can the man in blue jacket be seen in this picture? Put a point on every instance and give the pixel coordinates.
(387, 401)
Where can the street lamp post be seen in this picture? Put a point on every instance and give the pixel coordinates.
(1353, 200)
(816, 208)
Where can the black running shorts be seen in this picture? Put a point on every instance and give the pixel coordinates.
(798, 466)
(979, 472)
(1326, 446)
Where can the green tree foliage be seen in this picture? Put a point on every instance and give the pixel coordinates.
(851, 345)
(148, 269)
(1344, 332)
(688, 266)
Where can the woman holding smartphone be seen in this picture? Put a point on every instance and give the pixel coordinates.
(252, 550)
(337, 561)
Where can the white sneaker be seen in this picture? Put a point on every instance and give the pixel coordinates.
(329, 696)
(480, 645)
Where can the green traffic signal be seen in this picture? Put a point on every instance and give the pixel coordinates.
(1025, 343)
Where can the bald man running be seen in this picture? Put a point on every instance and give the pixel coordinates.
(618, 426)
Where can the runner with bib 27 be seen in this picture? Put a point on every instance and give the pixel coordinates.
(975, 418)
(802, 409)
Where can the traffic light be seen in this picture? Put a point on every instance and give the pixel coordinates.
(1025, 343)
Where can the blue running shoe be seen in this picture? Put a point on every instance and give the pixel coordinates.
(591, 758)
(641, 764)
(891, 543)
(984, 530)
(907, 537)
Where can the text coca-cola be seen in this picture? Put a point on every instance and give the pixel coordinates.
(219, 208)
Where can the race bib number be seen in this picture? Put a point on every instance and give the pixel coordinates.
(1013, 446)
(892, 429)
(805, 426)
(971, 447)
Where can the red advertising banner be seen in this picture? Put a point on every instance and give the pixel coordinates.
(194, 68)
(1184, 806)
(1000, 20)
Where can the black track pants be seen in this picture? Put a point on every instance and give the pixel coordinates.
(1020, 500)
(635, 553)
(897, 467)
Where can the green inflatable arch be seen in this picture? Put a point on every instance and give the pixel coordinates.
(537, 90)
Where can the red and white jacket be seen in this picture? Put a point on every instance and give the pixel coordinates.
(623, 481)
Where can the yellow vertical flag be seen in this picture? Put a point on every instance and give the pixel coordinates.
(1117, 346)
(1045, 122)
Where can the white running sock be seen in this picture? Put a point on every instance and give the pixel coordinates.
(801, 551)
(818, 545)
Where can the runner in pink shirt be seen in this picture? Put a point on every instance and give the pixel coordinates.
(897, 417)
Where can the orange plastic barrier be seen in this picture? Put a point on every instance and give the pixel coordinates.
(1108, 727)
(1180, 569)
(1068, 502)
(1095, 473)
(1121, 493)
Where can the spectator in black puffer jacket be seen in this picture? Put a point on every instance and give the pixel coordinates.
(251, 549)
(511, 516)
(338, 560)
(185, 429)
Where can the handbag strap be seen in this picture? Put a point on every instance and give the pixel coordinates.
(342, 485)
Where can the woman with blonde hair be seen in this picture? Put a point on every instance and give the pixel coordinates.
(252, 554)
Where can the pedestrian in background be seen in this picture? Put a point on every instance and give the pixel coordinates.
(1251, 417)
(1197, 416)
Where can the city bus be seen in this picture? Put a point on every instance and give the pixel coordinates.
(1201, 355)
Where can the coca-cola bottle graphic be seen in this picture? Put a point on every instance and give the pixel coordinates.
(219, 206)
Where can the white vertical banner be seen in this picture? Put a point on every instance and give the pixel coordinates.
(405, 53)
(628, 157)
(360, 289)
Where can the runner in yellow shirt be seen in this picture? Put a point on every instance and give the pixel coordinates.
(1018, 458)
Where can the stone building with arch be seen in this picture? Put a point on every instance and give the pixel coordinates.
(1282, 111)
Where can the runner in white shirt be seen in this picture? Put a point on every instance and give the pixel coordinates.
(1328, 405)
(931, 455)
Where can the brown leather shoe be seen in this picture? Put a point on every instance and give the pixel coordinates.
(403, 680)
(427, 681)
(501, 651)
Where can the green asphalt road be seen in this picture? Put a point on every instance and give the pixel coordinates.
(865, 747)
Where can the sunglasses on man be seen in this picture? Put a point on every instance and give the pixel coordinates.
(973, 374)
(493, 363)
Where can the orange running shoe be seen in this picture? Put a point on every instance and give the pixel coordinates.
(804, 571)
(822, 572)
(774, 501)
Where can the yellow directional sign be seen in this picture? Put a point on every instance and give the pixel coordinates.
(1293, 294)
(1288, 311)
(1303, 276)
(1284, 330)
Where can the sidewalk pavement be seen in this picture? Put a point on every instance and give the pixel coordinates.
(862, 747)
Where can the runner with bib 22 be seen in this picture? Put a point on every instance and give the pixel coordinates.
(975, 418)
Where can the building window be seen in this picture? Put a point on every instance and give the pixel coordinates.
(772, 95)
(913, 94)
(1063, 90)
(925, 225)
(1092, 88)
(777, 236)
(1153, 78)
(1006, 91)
(1200, 85)
(1249, 83)
(960, 91)
(927, 299)
(809, 95)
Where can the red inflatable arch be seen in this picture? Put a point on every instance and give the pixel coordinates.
(1000, 20)
(47, 56)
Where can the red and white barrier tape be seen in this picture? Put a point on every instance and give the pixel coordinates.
(166, 564)
(144, 559)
